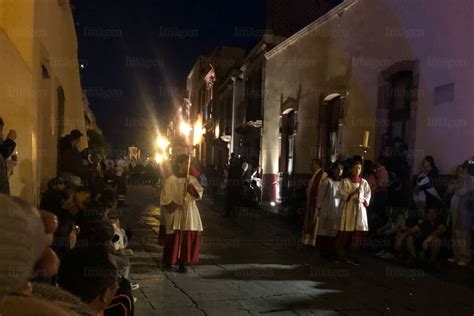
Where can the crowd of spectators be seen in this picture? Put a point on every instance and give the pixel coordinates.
(69, 256)
(437, 223)
(424, 221)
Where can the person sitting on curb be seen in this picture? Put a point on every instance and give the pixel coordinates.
(423, 241)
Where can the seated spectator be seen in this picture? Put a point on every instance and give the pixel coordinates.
(423, 241)
(77, 200)
(395, 225)
(7, 147)
(52, 200)
(96, 233)
(122, 302)
(425, 194)
(91, 274)
(24, 252)
(120, 238)
(92, 211)
(109, 200)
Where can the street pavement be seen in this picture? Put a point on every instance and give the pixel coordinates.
(253, 264)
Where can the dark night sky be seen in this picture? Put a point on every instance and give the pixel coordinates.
(114, 35)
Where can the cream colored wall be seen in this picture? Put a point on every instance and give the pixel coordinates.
(18, 110)
(58, 50)
(32, 33)
(16, 20)
(356, 45)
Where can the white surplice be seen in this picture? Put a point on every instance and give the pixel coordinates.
(186, 217)
(354, 212)
(329, 207)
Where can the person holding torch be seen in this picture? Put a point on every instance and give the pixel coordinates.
(355, 194)
(183, 225)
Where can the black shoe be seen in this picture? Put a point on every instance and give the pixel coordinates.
(182, 268)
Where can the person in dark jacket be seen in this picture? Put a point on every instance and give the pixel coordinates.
(7, 147)
(52, 200)
(70, 164)
(234, 183)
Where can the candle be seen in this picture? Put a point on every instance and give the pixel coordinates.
(365, 143)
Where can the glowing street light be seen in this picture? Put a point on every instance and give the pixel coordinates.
(159, 158)
(185, 129)
(162, 143)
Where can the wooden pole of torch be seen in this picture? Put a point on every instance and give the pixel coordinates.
(183, 219)
(365, 147)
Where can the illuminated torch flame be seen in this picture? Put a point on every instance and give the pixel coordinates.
(197, 131)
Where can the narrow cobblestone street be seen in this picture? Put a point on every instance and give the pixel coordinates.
(253, 265)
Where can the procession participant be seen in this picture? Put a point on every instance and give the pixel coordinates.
(355, 195)
(310, 225)
(329, 210)
(181, 215)
(165, 170)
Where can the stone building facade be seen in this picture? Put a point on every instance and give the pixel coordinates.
(204, 84)
(403, 68)
(40, 90)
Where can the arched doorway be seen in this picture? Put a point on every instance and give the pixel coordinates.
(330, 120)
(397, 101)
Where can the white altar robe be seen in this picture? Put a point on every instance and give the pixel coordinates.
(329, 207)
(186, 217)
(354, 212)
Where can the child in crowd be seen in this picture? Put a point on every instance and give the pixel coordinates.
(396, 224)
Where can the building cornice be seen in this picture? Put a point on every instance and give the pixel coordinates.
(336, 11)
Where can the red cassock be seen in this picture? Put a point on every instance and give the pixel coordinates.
(180, 231)
(190, 248)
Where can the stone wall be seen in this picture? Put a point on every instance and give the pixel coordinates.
(347, 50)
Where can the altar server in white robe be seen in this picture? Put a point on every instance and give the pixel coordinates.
(329, 210)
(182, 219)
(355, 196)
